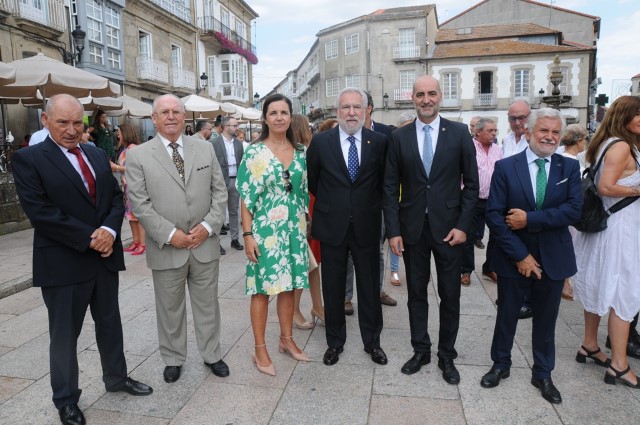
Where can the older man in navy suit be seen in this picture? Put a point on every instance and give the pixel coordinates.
(75, 206)
(534, 197)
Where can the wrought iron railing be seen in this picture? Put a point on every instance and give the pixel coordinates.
(181, 77)
(153, 70)
(485, 99)
(406, 52)
(50, 13)
(209, 23)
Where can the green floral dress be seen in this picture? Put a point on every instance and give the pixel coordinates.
(279, 224)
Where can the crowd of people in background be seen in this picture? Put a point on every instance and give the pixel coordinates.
(312, 207)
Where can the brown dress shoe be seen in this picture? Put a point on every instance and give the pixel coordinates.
(387, 300)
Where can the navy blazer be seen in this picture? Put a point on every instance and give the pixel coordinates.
(63, 214)
(547, 230)
(338, 200)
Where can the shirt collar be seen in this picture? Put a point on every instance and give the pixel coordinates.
(344, 135)
(435, 124)
(166, 142)
(531, 157)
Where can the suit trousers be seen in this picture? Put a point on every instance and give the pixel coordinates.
(366, 261)
(417, 260)
(171, 310)
(468, 257)
(348, 295)
(67, 306)
(545, 301)
(233, 205)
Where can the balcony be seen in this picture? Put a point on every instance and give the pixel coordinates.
(153, 70)
(230, 41)
(522, 96)
(314, 75)
(8, 7)
(175, 7)
(43, 17)
(183, 78)
(401, 95)
(486, 100)
(451, 103)
(402, 53)
(233, 92)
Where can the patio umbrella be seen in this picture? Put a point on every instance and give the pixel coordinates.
(249, 114)
(207, 108)
(52, 77)
(7, 74)
(131, 107)
(105, 103)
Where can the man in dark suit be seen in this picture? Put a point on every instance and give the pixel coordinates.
(75, 206)
(229, 151)
(345, 167)
(430, 159)
(534, 197)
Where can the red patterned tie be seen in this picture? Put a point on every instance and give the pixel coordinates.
(86, 172)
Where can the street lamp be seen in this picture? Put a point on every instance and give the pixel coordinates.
(385, 101)
(78, 43)
(256, 100)
(203, 83)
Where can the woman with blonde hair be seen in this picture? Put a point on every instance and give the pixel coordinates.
(606, 282)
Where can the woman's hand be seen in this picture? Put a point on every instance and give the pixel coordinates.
(251, 249)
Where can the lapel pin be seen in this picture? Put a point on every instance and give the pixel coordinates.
(368, 142)
(444, 129)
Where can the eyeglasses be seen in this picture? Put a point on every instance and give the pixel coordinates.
(286, 177)
(521, 118)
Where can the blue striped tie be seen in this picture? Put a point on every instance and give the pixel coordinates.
(427, 150)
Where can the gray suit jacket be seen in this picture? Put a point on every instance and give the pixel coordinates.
(221, 153)
(162, 202)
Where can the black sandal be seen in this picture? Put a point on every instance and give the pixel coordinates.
(611, 380)
(582, 358)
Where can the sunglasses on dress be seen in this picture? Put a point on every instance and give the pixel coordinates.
(287, 181)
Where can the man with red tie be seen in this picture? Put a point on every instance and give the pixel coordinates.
(75, 206)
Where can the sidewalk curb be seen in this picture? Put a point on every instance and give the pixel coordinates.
(14, 286)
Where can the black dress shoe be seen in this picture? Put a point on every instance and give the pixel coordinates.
(449, 372)
(222, 232)
(525, 312)
(225, 227)
(416, 362)
(492, 378)
(479, 244)
(236, 244)
(133, 387)
(222, 251)
(377, 355)
(171, 374)
(332, 355)
(548, 390)
(219, 368)
(71, 415)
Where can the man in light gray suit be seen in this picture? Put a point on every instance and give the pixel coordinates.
(229, 151)
(177, 192)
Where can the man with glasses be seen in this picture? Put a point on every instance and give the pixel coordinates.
(229, 151)
(345, 168)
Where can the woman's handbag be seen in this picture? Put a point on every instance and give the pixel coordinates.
(594, 216)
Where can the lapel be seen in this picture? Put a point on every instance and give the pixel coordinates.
(62, 163)
(237, 148)
(223, 151)
(161, 155)
(334, 146)
(440, 146)
(555, 172)
(97, 164)
(522, 170)
(365, 146)
(413, 146)
(189, 150)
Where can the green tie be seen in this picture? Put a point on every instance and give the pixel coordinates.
(541, 183)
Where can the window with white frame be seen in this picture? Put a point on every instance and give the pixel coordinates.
(406, 81)
(353, 80)
(332, 86)
(94, 21)
(234, 74)
(521, 79)
(176, 57)
(351, 44)
(112, 26)
(96, 54)
(407, 37)
(331, 49)
(224, 18)
(144, 44)
(114, 59)
(449, 83)
(240, 28)
(211, 73)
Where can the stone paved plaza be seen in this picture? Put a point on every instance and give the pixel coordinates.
(354, 391)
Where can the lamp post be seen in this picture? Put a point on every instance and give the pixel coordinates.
(385, 102)
(203, 83)
(256, 100)
(78, 36)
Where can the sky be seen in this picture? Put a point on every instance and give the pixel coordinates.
(286, 29)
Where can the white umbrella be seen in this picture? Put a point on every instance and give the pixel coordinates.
(195, 103)
(249, 114)
(7, 74)
(52, 77)
(131, 107)
(105, 103)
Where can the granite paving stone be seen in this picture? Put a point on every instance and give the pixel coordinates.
(415, 411)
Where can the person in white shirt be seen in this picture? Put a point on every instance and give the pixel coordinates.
(518, 116)
(39, 136)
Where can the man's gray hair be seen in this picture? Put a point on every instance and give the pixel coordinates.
(404, 117)
(154, 107)
(523, 101)
(352, 90)
(536, 114)
(482, 122)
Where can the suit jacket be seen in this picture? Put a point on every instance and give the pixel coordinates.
(338, 200)
(382, 128)
(161, 201)
(63, 214)
(450, 205)
(546, 231)
(221, 153)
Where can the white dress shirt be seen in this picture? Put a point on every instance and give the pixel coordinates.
(345, 144)
(231, 157)
(433, 130)
(511, 146)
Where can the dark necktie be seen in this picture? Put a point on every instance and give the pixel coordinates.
(352, 165)
(541, 183)
(427, 150)
(86, 172)
(177, 159)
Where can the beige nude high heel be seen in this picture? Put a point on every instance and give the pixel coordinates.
(301, 357)
(267, 370)
(315, 316)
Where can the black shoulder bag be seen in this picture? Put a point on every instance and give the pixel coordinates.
(594, 217)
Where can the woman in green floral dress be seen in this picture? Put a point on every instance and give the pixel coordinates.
(103, 135)
(272, 182)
